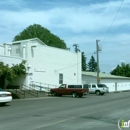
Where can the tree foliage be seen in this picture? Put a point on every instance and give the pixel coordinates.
(6, 72)
(10, 73)
(76, 49)
(92, 65)
(84, 65)
(37, 31)
(121, 70)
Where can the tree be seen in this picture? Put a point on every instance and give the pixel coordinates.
(84, 66)
(10, 73)
(19, 69)
(5, 73)
(92, 65)
(121, 70)
(37, 31)
(76, 49)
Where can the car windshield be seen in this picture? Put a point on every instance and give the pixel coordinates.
(101, 85)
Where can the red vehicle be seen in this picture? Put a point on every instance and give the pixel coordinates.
(76, 90)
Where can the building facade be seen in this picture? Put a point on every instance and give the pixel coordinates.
(115, 83)
(45, 65)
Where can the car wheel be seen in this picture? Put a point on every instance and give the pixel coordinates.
(74, 94)
(98, 93)
(3, 104)
(54, 93)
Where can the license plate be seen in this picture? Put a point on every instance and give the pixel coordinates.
(3, 95)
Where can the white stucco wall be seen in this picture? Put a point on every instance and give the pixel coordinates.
(43, 63)
(1, 50)
(117, 84)
(48, 62)
(10, 60)
(88, 79)
(114, 84)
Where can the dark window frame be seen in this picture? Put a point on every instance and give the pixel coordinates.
(60, 78)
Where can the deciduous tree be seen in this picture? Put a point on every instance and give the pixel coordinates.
(121, 70)
(37, 31)
(10, 73)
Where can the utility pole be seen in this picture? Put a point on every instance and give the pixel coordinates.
(98, 49)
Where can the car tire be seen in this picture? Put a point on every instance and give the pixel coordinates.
(54, 93)
(98, 92)
(3, 104)
(74, 94)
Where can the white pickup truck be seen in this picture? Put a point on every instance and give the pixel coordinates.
(99, 89)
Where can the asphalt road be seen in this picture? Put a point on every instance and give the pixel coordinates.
(67, 113)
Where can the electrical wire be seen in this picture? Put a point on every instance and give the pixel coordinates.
(69, 66)
(113, 21)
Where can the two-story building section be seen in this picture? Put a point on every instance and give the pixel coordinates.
(46, 65)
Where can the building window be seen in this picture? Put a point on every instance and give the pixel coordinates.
(32, 50)
(60, 78)
(17, 51)
(93, 86)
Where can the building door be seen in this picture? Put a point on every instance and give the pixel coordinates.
(115, 87)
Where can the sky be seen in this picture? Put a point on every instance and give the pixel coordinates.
(79, 22)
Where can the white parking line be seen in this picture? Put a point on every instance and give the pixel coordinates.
(55, 122)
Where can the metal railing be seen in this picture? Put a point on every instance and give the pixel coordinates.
(19, 92)
(30, 90)
(41, 86)
(35, 89)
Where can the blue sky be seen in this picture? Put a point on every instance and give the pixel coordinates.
(76, 22)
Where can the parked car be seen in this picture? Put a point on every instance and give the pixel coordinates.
(5, 97)
(76, 90)
(99, 89)
(104, 86)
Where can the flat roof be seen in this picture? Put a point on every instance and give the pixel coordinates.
(104, 75)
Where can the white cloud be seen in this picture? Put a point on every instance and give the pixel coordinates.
(86, 18)
(122, 61)
(76, 24)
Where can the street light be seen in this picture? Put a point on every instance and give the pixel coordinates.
(97, 50)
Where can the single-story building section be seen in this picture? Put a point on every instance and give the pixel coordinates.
(115, 83)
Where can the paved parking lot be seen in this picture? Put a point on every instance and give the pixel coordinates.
(66, 113)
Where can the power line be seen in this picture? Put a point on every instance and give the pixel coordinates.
(113, 21)
(69, 66)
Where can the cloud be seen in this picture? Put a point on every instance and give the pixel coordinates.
(91, 18)
(122, 61)
(77, 22)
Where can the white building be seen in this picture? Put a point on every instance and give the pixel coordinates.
(46, 66)
(115, 83)
(49, 66)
